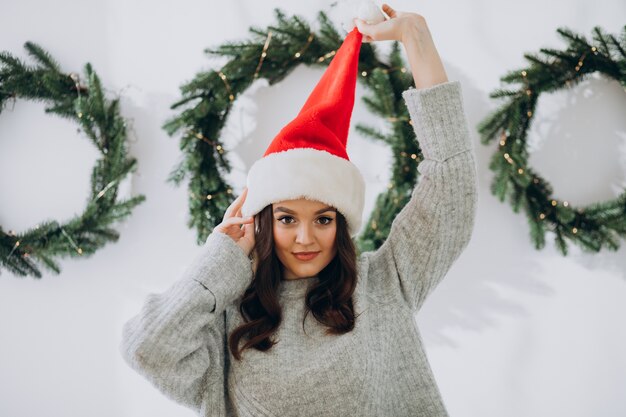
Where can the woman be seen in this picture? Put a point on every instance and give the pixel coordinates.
(234, 337)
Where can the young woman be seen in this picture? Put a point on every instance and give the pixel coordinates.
(277, 315)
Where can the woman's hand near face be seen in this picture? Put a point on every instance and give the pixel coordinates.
(412, 31)
(231, 225)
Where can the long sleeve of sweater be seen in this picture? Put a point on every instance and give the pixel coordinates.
(177, 339)
(434, 227)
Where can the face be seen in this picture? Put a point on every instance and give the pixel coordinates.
(304, 226)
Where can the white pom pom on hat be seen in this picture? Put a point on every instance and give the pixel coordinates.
(365, 10)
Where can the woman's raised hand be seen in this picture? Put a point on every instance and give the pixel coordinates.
(393, 28)
(410, 29)
(231, 224)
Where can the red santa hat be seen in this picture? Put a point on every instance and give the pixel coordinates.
(308, 158)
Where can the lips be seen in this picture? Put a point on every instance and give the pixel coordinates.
(305, 256)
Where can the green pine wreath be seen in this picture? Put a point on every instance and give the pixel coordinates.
(595, 226)
(100, 120)
(273, 54)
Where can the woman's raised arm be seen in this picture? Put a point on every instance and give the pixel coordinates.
(432, 230)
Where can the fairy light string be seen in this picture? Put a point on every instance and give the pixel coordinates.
(277, 50)
(566, 67)
(296, 55)
(84, 104)
(304, 48)
(227, 84)
(263, 54)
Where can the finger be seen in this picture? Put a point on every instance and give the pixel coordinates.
(379, 31)
(236, 204)
(232, 226)
(389, 10)
(233, 206)
(232, 231)
(238, 220)
(238, 214)
(363, 27)
(249, 230)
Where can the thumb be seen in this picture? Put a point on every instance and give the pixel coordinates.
(249, 232)
(362, 25)
(365, 28)
(249, 228)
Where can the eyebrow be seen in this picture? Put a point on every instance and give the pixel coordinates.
(286, 210)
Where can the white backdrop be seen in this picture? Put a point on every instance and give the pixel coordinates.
(511, 330)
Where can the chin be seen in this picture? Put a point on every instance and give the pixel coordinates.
(305, 271)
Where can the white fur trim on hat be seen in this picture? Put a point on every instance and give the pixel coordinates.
(307, 173)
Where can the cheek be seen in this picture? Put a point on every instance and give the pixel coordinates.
(328, 237)
(281, 237)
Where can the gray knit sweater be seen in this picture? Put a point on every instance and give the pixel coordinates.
(178, 339)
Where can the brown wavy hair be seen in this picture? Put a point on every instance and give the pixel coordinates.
(330, 300)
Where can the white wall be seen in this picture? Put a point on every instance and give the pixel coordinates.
(511, 330)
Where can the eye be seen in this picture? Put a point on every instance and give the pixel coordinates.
(330, 220)
(284, 217)
(324, 220)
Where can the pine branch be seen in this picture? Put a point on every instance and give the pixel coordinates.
(41, 56)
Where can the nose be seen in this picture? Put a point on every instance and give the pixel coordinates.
(304, 235)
